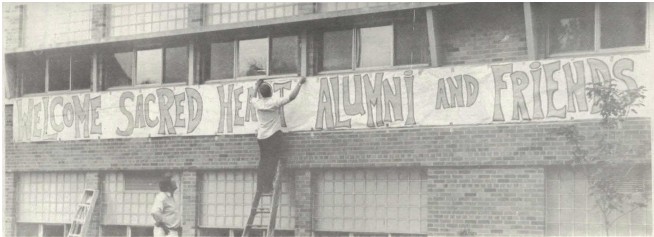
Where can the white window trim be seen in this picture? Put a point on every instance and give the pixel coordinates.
(597, 38)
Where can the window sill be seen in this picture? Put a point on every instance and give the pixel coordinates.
(625, 50)
(55, 93)
(369, 69)
(144, 86)
(250, 78)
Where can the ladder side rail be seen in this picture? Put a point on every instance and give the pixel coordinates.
(277, 192)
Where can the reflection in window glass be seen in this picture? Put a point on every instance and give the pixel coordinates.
(623, 24)
(176, 67)
(337, 50)
(222, 61)
(32, 71)
(571, 27)
(252, 57)
(149, 66)
(118, 69)
(284, 55)
(411, 43)
(81, 73)
(376, 46)
(59, 73)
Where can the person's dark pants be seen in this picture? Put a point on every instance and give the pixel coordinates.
(270, 149)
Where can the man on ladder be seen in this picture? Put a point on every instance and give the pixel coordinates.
(269, 134)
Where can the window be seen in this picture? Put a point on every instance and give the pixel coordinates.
(128, 198)
(370, 201)
(571, 210)
(48, 197)
(226, 198)
(152, 67)
(139, 18)
(252, 57)
(223, 13)
(589, 27)
(69, 72)
(45, 230)
(31, 72)
(401, 42)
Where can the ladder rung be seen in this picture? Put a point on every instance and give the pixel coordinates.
(263, 210)
(259, 226)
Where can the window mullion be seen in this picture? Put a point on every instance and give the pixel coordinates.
(235, 68)
(355, 48)
(70, 72)
(134, 60)
(269, 58)
(47, 74)
(393, 45)
(598, 28)
(163, 65)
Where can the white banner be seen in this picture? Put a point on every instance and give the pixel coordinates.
(505, 92)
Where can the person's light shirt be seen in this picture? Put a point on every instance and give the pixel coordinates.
(269, 114)
(164, 204)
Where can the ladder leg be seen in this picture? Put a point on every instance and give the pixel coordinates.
(253, 212)
(277, 191)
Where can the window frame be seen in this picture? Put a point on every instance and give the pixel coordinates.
(46, 62)
(355, 28)
(41, 227)
(206, 59)
(134, 65)
(597, 50)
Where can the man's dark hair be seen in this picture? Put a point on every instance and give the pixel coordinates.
(265, 90)
(165, 184)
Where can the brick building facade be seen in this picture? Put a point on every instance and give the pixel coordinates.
(493, 178)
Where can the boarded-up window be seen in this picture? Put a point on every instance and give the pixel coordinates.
(571, 210)
(48, 197)
(226, 199)
(373, 201)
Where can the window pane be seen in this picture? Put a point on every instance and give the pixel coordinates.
(27, 229)
(572, 27)
(411, 43)
(149, 66)
(252, 57)
(59, 73)
(53, 230)
(141, 181)
(623, 24)
(118, 69)
(176, 68)
(284, 55)
(222, 60)
(376, 46)
(81, 75)
(32, 69)
(337, 50)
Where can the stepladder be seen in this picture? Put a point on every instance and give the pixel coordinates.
(82, 217)
(266, 204)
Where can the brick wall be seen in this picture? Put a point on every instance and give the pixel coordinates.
(496, 144)
(11, 24)
(481, 33)
(303, 203)
(498, 201)
(9, 203)
(189, 203)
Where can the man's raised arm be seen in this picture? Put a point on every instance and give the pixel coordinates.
(296, 90)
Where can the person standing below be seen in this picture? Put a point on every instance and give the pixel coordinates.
(164, 210)
(269, 134)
